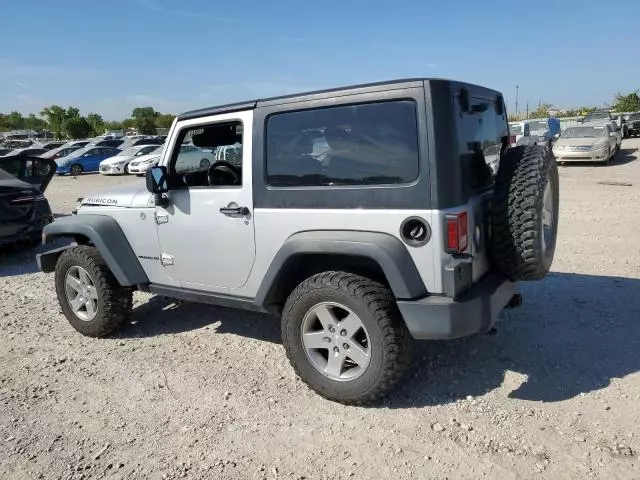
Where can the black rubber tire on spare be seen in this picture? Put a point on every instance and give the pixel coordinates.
(521, 247)
(114, 302)
(388, 338)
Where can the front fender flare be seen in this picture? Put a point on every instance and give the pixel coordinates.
(386, 250)
(107, 236)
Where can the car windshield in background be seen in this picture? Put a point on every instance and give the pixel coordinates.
(634, 116)
(596, 116)
(584, 132)
(538, 126)
(128, 152)
(516, 129)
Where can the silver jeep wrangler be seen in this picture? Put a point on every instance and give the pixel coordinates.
(361, 216)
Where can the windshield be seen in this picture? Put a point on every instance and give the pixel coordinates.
(597, 116)
(516, 129)
(128, 152)
(634, 116)
(538, 126)
(585, 132)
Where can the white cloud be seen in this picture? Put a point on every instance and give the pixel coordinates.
(156, 6)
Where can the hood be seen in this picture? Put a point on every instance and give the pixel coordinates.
(115, 160)
(135, 195)
(577, 142)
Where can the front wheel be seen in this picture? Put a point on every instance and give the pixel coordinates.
(344, 337)
(90, 296)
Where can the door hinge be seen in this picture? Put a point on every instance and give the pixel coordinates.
(162, 217)
(166, 259)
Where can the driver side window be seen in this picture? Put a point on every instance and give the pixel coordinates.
(209, 155)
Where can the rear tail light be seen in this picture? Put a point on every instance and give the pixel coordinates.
(21, 200)
(457, 232)
(512, 139)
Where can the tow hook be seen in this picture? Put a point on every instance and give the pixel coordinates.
(515, 301)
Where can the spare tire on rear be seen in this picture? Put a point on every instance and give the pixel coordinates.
(524, 213)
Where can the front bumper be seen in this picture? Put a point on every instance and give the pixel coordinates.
(600, 155)
(62, 169)
(112, 169)
(141, 168)
(443, 318)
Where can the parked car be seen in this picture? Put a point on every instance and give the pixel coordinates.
(114, 143)
(597, 143)
(24, 210)
(119, 164)
(147, 141)
(517, 130)
(53, 145)
(4, 151)
(57, 153)
(192, 158)
(633, 124)
(86, 159)
(597, 116)
(141, 164)
(31, 151)
(621, 121)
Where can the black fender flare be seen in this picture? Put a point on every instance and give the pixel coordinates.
(386, 250)
(106, 235)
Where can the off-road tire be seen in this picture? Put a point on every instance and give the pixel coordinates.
(376, 307)
(516, 213)
(114, 300)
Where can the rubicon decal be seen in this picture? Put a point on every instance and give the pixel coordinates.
(102, 201)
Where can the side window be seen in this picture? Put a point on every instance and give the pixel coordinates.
(482, 133)
(199, 151)
(363, 144)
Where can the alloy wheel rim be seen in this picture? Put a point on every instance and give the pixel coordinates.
(81, 293)
(336, 341)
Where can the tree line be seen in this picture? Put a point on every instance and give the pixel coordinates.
(68, 123)
(621, 103)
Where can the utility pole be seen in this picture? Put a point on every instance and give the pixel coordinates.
(517, 87)
(527, 109)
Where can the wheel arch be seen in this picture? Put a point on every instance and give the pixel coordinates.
(379, 256)
(105, 234)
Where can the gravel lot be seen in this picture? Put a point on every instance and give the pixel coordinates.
(191, 391)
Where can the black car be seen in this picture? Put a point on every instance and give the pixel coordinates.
(633, 124)
(109, 143)
(148, 141)
(24, 210)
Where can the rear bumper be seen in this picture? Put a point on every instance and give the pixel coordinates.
(441, 318)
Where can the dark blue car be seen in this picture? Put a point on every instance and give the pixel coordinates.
(86, 159)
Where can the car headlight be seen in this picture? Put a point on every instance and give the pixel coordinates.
(598, 146)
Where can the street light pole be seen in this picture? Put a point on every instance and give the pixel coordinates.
(517, 87)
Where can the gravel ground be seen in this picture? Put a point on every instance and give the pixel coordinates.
(191, 391)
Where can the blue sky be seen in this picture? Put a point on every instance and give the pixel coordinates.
(174, 55)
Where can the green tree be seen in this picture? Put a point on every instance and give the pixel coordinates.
(541, 112)
(34, 123)
(97, 123)
(56, 117)
(626, 103)
(72, 112)
(77, 127)
(144, 118)
(128, 123)
(113, 125)
(164, 120)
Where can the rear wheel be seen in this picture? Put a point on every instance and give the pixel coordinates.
(524, 216)
(344, 337)
(90, 296)
(76, 169)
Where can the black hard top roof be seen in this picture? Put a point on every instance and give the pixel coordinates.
(315, 95)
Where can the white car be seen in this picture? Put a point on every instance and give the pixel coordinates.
(519, 130)
(595, 143)
(141, 164)
(192, 158)
(119, 164)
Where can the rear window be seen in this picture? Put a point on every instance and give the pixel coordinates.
(364, 144)
(481, 133)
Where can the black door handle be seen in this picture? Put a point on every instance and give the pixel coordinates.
(235, 211)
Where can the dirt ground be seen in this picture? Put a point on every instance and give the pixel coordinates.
(191, 391)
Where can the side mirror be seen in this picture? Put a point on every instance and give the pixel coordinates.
(156, 178)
